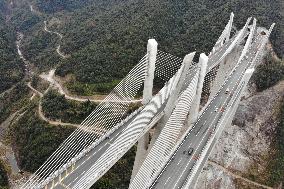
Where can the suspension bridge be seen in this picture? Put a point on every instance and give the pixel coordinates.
(187, 116)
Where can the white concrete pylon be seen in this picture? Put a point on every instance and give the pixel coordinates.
(262, 45)
(166, 142)
(230, 24)
(141, 153)
(231, 57)
(193, 114)
(143, 142)
(152, 49)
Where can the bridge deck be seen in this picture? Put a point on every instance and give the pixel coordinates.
(181, 164)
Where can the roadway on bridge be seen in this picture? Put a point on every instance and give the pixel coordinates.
(84, 164)
(179, 167)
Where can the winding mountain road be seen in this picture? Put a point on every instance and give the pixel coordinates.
(60, 36)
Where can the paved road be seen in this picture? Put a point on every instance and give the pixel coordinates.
(85, 163)
(180, 166)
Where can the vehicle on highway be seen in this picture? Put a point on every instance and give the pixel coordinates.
(216, 109)
(227, 91)
(190, 151)
(222, 109)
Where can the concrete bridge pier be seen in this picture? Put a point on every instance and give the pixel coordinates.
(143, 142)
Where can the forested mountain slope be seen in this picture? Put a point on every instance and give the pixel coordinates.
(11, 68)
(106, 38)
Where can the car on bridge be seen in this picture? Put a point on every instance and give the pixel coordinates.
(227, 91)
(189, 151)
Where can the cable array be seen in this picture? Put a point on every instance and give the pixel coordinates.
(251, 53)
(106, 115)
(217, 57)
(166, 65)
(138, 127)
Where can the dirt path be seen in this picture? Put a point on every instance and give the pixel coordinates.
(51, 32)
(56, 123)
(40, 112)
(56, 84)
(237, 176)
(42, 116)
(34, 90)
(60, 36)
(50, 77)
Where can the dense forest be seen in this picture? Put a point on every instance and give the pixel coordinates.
(106, 38)
(4, 183)
(57, 107)
(102, 35)
(35, 139)
(276, 167)
(268, 73)
(61, 5)
(11, 68)
(38, 46)
(13, 100)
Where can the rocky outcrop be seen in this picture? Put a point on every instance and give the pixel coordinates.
(244, 146)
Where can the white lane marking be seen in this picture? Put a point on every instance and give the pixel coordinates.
(167, 180)
(179, 161)
(194, 152)
(100, 148)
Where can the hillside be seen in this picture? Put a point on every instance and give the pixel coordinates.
(106, 38)
(11, 68)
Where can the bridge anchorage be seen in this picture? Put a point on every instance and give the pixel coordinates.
(186, 117)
